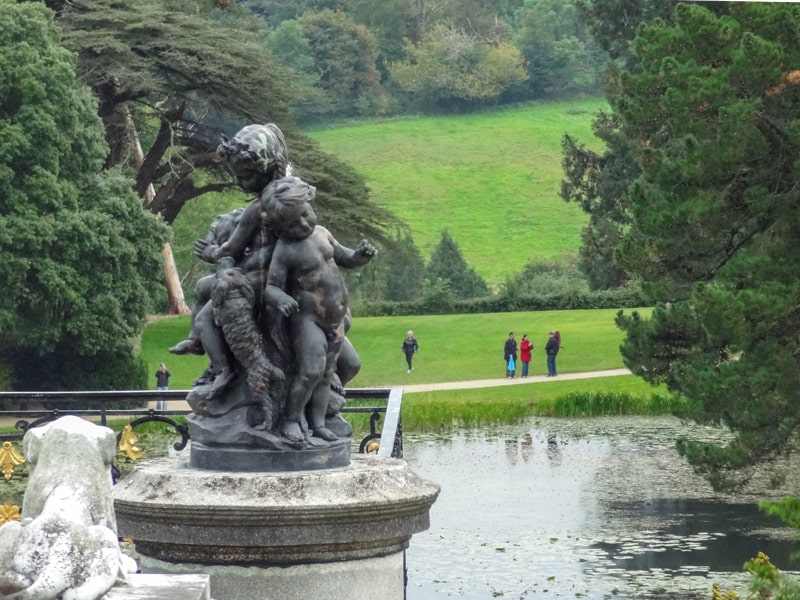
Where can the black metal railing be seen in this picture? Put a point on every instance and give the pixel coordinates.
(386, 441)
(56, 404)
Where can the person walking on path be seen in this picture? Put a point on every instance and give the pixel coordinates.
(162, 384)
(551, 349)
(410, 348)
(510, 356)
(525, 347)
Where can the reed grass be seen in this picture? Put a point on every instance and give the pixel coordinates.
(451, 409)
(593, 404)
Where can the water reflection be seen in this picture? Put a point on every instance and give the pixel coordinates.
(593, 508)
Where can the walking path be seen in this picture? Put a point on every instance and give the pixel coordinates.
(487, 383)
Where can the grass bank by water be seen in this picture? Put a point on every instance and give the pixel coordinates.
(443, 410)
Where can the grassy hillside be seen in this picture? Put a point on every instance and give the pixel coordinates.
(452, 347)
(491, 179)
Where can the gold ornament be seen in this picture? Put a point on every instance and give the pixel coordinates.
(9, 512)
(127, 444)
(10, 458)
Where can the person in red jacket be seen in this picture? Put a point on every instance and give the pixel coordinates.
(525, 347)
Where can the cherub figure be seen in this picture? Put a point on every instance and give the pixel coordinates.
(305, 284)
(257, 155)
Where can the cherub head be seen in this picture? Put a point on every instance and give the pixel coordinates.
(257, 154)
(289, 210)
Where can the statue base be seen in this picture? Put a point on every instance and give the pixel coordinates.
(254, 460)
(235, 442)
(296, 534)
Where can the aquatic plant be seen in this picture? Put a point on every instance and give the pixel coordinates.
(768, 583)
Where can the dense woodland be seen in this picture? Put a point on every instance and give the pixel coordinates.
(110, 113)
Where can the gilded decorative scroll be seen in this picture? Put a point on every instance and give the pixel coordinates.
(127, 444)
(9, 459)
(9, 512)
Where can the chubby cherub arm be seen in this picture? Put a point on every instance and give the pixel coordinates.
(249, 225)
(350, 258)
(276, 282)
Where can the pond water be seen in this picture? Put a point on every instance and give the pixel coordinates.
(589, 508)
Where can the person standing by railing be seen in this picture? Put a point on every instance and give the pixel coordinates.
(162, 384)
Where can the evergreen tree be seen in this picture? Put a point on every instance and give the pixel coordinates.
(560, 55)
(599, 184)
(448, 265)
(405, 270)
(709, 115)
(79, 252)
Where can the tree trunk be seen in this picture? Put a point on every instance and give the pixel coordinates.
(175, 297)
(177, 303)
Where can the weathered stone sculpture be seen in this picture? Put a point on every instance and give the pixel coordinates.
(66, 544)
(273, 322)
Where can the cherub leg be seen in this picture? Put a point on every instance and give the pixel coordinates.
(318, 403)
(202, 296)
(348, 364)
(213, 340)
(310, 348)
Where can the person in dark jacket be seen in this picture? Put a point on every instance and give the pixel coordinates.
(510, 356)
(551, 349)
(162, 384)
(410, 348)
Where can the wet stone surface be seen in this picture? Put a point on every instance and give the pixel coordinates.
(591, 508)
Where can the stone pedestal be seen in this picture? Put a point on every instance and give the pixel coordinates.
(335, 533)
(162, 587)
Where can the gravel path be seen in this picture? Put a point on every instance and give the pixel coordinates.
(486, 383)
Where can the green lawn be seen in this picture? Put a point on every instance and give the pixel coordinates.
(491, 179)
(452, 347)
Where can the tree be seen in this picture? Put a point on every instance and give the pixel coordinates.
(174, 82)
(452, 68)
(391, 22)
(560, 54)
(448, 265)
(79, 252)
(599, 184)
(276, 12)
(406, 270)
(477, 18)
(291, 48)
(615, 23)
(710, 116)
(545, 278)
(344, 54)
